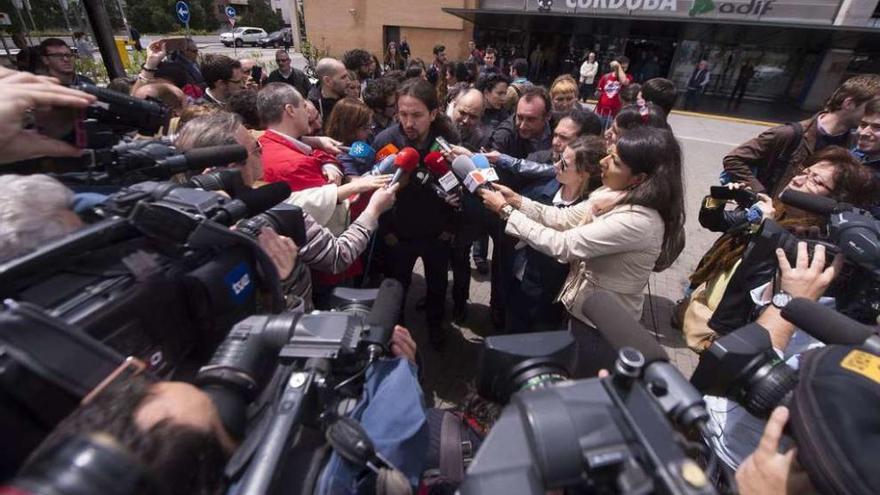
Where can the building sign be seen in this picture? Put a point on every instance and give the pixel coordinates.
(781, 11)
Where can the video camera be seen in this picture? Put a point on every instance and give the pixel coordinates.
(616, 434)
(115, 114)
(833, 396)
(160, 277)
(292, 370)
(855, 233)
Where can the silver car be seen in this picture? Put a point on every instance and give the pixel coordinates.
(243, 35)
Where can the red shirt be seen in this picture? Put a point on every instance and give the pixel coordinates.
(609, 94)
(284, 161)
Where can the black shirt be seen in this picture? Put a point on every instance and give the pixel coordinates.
(297, 79)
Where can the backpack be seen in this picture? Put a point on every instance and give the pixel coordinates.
(453, 445)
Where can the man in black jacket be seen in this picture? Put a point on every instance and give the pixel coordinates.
(286, 73)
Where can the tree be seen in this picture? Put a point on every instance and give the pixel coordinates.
(260, 14)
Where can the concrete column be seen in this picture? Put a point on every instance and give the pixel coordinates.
(827, 77)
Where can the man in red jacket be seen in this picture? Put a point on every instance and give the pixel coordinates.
(285, 158)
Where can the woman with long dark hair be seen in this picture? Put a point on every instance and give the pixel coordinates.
(631, 226)
(420, 225)
(393, 59)
(632, 116)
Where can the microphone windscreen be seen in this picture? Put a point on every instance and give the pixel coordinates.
(385, 312)
(619, 328)
(262, 198)
(387, 150)
(480, 161)
(808, 202)
(407, 159)
(824, 323)
(215, 156)
(436, 163)
(462, 166)
(362, 151)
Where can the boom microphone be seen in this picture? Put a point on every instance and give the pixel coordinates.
(384, 315)
(199, 159)
(810, 202)
(825, 324)
(405, 161)
(263, 198)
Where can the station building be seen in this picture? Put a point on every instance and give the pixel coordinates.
(800, 49)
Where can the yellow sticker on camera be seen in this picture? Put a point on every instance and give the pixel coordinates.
(863, 363)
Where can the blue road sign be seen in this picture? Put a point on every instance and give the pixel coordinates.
(230, 11)
(182, 10)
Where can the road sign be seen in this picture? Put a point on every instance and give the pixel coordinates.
(182, 10)
(230, 12)
(232, 21)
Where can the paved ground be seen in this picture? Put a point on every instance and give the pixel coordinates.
(705, 141)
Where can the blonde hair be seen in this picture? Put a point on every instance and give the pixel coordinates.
(563, 84)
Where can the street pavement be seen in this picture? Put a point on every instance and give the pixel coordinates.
(705, 141)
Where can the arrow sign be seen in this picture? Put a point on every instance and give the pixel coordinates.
(230, 12)
(182, 10)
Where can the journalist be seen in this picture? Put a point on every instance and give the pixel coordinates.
(322, 251)
(34, 209)
(614, 240)
(721, 299)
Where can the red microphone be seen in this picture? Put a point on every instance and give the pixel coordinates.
(406, 160)
(440, 168)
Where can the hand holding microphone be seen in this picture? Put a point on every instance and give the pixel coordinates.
(406, 161)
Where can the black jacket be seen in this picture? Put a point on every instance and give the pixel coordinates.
(506, 139)
(298, 79)
(418, 212)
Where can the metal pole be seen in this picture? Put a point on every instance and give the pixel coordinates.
(294, 26)
(104, 37)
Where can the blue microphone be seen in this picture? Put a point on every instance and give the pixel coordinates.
(480, 161)
(362, 151)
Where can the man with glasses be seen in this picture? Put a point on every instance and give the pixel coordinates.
(381, 96)
(57, 59)
(287, 73)
(224, 78)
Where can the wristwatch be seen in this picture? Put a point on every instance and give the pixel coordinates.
(781, 299)
(506, 211)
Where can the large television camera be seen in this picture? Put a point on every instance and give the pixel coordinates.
(160, 277)
(617, 434)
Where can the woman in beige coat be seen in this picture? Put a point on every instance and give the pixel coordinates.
(631, 226)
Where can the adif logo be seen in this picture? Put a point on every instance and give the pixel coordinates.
(624, 4)
(754, 7)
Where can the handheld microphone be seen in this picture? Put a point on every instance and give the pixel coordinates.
(199, 159)
(829, 326)
(385, 151)
(680, 400)
(480, 161)
(811, 202)
(406, 161)
(362, 151)
(423, 177)
(470, 176)
(440, 168)
(383, 316)
(386, 166)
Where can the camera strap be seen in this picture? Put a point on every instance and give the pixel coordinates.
(53, 349)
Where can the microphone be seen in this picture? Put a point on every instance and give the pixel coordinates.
(680, 400)
(470, 176)
(424, 178)
(386, 166)
(263, 198)
(480, 161)
(385, 151)
(383, 316)
(810, 202)
(829, 326)
(199, 159)
(406, 161)
(440, 168)
(362, 151)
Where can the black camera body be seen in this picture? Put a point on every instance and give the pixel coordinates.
(616, 434)
(161, 278)
(744, 198)
(115, 113)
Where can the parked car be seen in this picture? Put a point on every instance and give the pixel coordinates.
(243, 35)
(276, 38)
